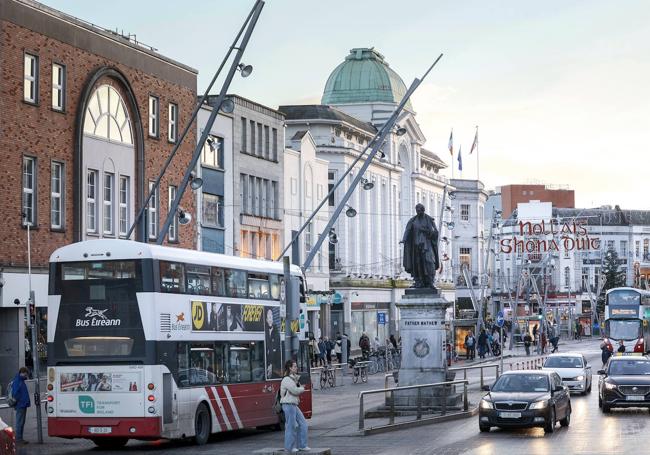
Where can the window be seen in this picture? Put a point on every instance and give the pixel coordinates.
(567, 277)
(154, 116)
(267, 143)
(331, 176)
(274, 157)
(197, 279)
(212, 210)
(212, 155)
(30, 81)
(153, 213)
(107, 117)
(252, 125)
(637, 248)
(308, 237)
(243, 193)
(251, 195)
(258, 286)
(108, 203)
(623, 249)
(56, 196)
(218, 282)
(585, 278)
(465, 258)
(172, 123)
(124, 205)
(29, 191)
(646, 245)
(58, 87)
(172, 278)
(201, 364)
(173, 227)
(610, 245)
(244, 144)
(464, 212)
(274, 201)
(235, 283)
(91, 201)
(260, 138)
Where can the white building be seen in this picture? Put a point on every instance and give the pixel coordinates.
(365, 264)
(305, 183)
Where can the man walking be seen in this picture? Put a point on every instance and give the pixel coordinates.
(20, 394)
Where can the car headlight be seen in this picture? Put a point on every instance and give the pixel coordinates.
(580, 378)
(485, 404)
(610, 386)
(538, 404)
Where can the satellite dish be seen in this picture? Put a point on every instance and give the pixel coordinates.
(184, 217)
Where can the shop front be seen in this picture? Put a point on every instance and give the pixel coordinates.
(373, 319)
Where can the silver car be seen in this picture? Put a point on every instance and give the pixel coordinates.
(573, 369)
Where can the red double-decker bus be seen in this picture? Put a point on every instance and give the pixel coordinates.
(149, 342)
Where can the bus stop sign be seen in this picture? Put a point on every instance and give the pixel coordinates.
(500, 319)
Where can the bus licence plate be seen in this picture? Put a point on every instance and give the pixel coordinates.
(635, 398)
(100, 430)
(510, 415)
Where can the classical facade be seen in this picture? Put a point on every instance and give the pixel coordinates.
(89, 117)
(365, 264)
(305, 183)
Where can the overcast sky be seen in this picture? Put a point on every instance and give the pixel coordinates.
(559, 89)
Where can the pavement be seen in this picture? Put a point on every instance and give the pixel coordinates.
(335, 426)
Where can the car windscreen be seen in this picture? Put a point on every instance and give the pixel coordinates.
(629, 367)
(624, 329)
(563, 362)
(521, 383)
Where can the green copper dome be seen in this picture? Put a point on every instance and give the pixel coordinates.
(364, 77)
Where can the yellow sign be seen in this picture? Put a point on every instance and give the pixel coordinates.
(645, 323)
(295, 326)
(198, 315)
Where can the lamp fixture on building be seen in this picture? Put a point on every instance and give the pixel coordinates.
(228, 106)
(367, 184)
(380, 154)
(451, 195)
(245, 69)
(449, 209)
(449, 224)
(196, 182)
(445, 240)
(332, 237)
(350, 212)
(184, 217)
(400, 131)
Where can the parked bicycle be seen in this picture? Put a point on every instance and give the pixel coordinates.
(327, 376)
(359, 369)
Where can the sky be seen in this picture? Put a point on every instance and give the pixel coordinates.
(559, 89)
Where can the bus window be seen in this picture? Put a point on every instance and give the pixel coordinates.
(99, 270)
(236, 283)
(197, 279)
(92, 346)
(171, 277)
(258, 286)
(200, 364)
(239, 363)
(218, 282)
(274, 281)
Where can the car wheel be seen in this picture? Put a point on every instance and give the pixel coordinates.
(201, 425)
(589, 388)
(484, 428)
(567, 419)
(550, 425)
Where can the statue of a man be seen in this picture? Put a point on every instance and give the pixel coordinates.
(421, 249)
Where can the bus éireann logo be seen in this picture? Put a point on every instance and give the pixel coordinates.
(198, 315)
(91, 313)
(86, 404)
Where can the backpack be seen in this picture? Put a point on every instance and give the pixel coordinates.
(11, 401)
(470, 341)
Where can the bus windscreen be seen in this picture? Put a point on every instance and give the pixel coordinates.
(624, 329)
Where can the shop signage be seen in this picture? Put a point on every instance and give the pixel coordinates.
(420, 323)
(95, 317)
(381, 318)
(563, 236)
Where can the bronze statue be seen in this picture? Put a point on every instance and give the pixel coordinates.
(421, 249)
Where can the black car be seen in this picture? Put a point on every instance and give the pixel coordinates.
(624, 383)
(526, 398)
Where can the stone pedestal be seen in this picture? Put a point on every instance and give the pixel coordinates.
(422, 328)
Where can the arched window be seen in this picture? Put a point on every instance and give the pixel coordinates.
(567, 276)
(107, 117)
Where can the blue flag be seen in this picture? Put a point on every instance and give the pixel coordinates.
(460, 159)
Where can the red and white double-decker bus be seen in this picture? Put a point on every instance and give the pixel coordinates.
(149, 342)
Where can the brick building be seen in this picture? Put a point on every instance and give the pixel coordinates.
(88, 118)
(511, 195)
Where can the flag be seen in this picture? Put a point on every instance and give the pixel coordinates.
(475, 143)
(451, 143)
(460, 159)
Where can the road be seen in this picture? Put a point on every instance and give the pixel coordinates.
(335, 423)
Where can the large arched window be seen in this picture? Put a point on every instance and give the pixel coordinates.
(107, 116)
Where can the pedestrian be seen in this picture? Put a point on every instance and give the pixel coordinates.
(482, 344)
(535, 332)
(322, 348)
(364, 344)
(606, 352)
(527, 341)
(349, 343)
(20, 394)
(393, 341)
(555, 338)
(295, 426)
(470, 345)
(315, 351)
(338, 350)
(621, 346)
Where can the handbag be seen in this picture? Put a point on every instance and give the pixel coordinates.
(277, 406)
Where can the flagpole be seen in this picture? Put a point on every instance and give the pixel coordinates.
(452, 165)
(478, 175)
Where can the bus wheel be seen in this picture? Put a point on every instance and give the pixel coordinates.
(110, 443)
(202, 425)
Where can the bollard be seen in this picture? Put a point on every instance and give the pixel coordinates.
(444, 398)
(465, 401)
(481, 378)
(419, 403)
(497, 372)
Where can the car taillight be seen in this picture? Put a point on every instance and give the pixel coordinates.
(151, 386)
(50, 387)
(638, 347)
(151, 398)
(50, 398)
